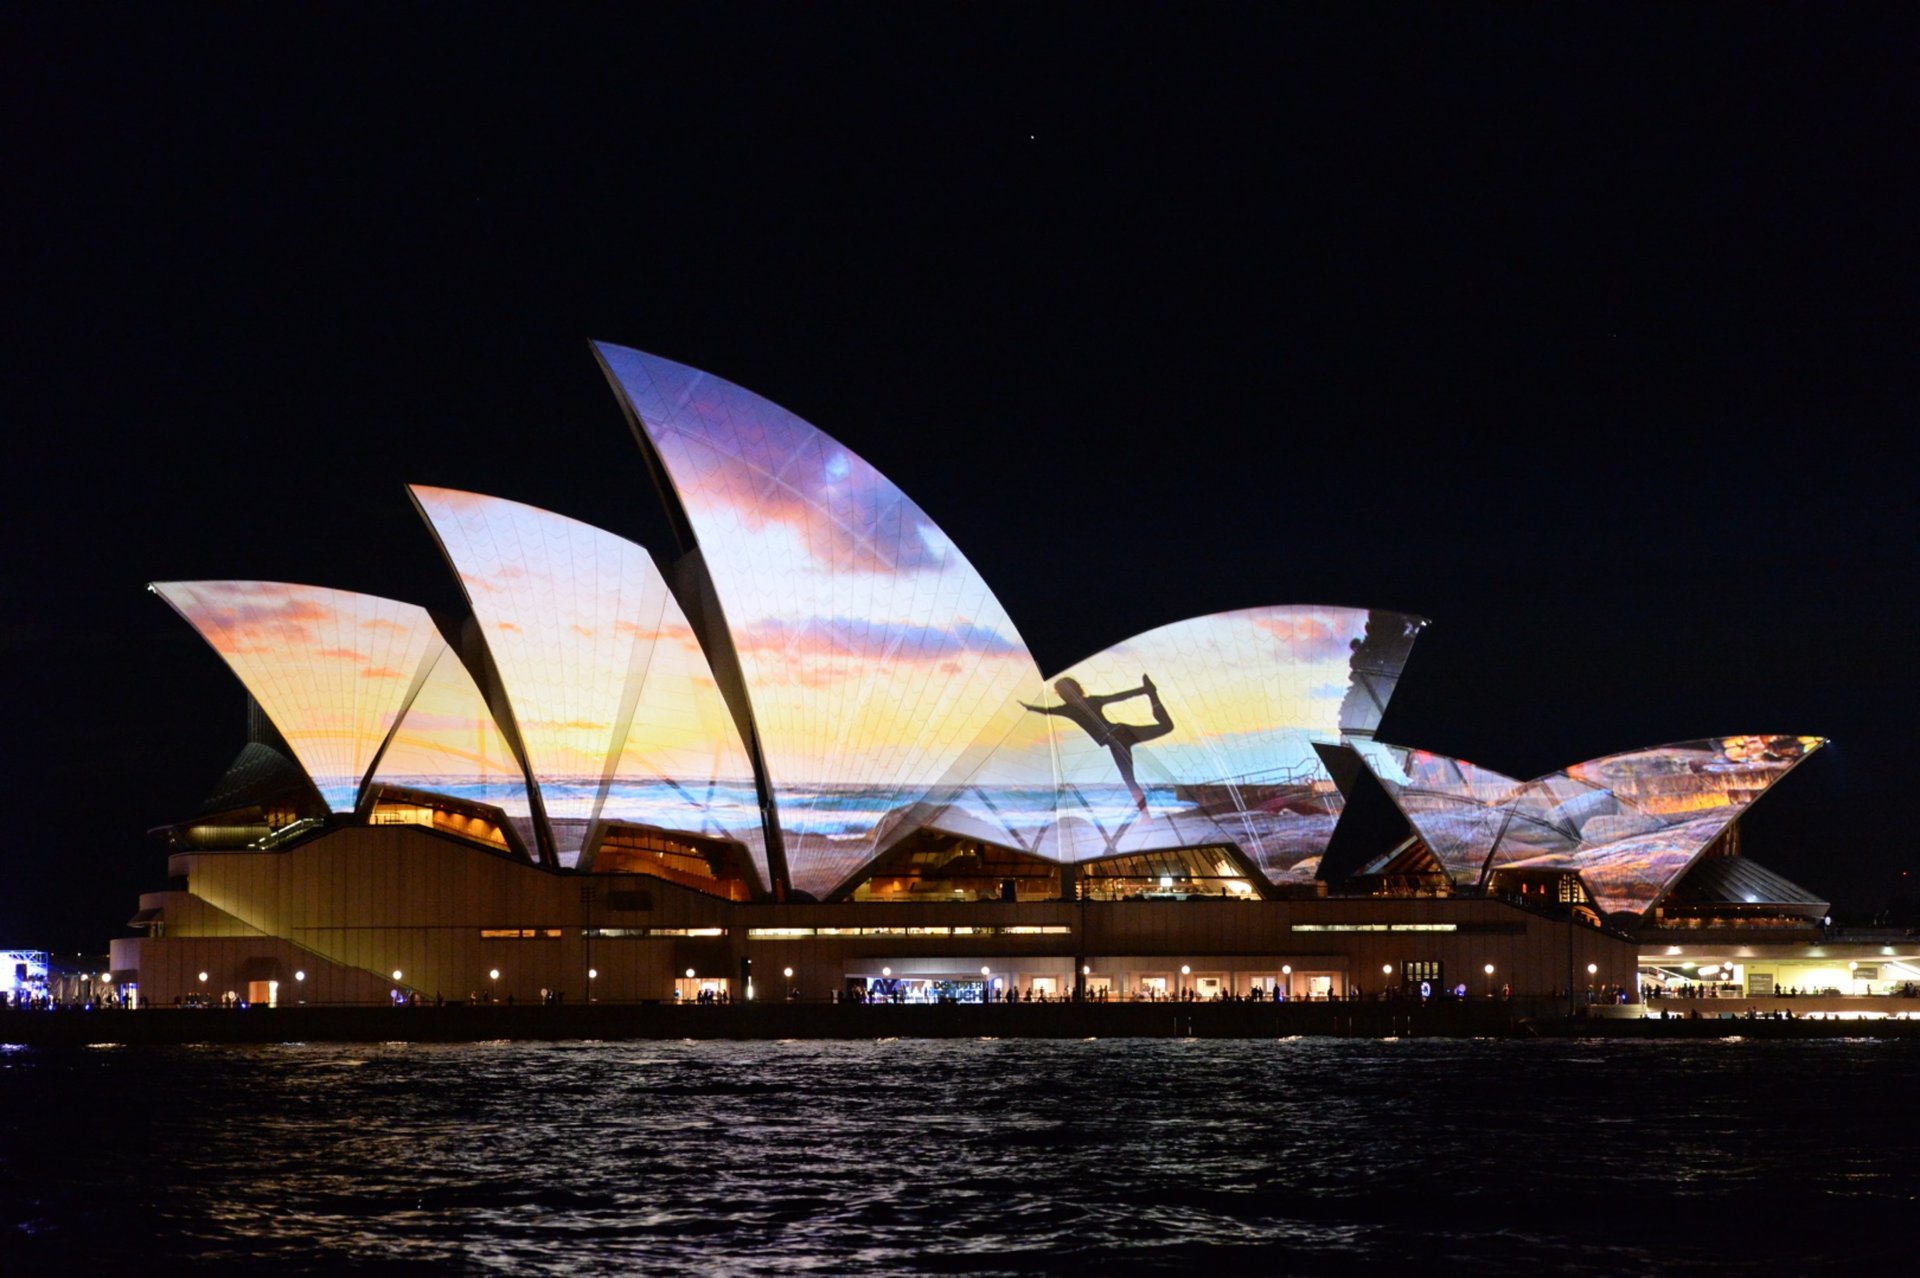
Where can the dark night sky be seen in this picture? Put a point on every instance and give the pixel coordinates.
(1588, 334)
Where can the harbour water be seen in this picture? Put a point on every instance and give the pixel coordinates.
(985, 1156)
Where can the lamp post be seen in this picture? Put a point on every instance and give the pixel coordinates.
(1570, 1003)
(1286, 975)
(1181, 991)
(586, 909)
(1489, 971)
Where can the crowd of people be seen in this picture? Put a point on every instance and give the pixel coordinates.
(28, 1001)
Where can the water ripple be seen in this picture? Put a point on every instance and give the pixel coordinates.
(971, 1157)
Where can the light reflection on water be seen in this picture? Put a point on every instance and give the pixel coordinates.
(988, 1156)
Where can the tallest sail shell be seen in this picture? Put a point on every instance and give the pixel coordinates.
(871, 653)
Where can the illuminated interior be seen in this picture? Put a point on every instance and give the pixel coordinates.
(714, 866)
(447, 743)
(1171, 874)
(264, 800)
(395, 805)
(933, 866)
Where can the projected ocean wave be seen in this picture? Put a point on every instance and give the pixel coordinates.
(832, 829)
(828, 811)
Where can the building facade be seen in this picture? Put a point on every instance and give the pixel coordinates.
(805, 753)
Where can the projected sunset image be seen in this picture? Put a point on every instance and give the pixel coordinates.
(1197, 732)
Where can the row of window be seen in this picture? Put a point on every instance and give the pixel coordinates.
(799, 933)
(1376, 927)
(770, 933)
(595, 933)
(1051, 929)
(1486, 928)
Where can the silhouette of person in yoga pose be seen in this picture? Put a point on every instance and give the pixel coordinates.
(1119, 738)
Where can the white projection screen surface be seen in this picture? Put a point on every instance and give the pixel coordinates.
(612, 696)
(872, 653)
(1199, 732)
(332, 669)
(1629, 824)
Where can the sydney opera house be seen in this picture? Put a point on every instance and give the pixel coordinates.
(805, 753)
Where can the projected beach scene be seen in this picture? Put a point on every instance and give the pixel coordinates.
(447, 743)
(612, 697)
(820, 677)
(1205, 737)
(332, 669)
(872, 652)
